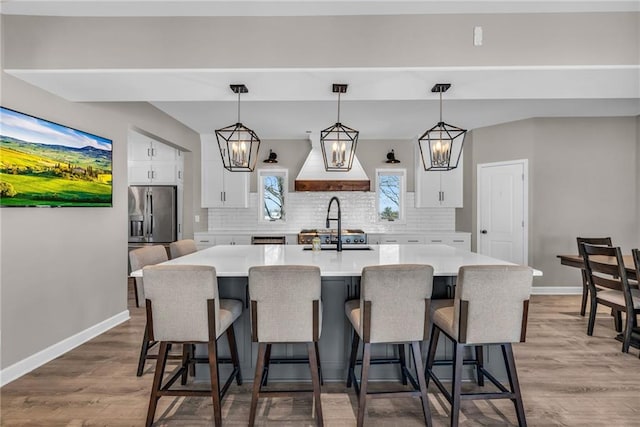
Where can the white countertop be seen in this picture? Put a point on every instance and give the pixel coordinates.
(235, 260)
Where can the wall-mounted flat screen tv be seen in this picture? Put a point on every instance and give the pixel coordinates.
(47, 164)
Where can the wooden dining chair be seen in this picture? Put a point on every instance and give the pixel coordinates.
(605, 241)
(615, 291)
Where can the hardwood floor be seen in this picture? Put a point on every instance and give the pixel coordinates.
(567, 379)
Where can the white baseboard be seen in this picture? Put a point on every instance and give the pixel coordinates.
(34, 361)
(556, 290)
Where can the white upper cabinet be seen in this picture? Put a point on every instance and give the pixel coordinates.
(152, 162)
(221, 188)
(442, 189)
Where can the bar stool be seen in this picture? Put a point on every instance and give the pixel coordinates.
(183, 306)
(285, 308)
(393, 308)
(182, 247)
(490, 307)
(139, 258)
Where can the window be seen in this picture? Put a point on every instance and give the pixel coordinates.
(390, 189)
(272, 191)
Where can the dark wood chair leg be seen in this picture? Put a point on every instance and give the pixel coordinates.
(233, 349)
(215, 383)
(157, 382)
(315, 380)
(510, 363)
(479, 365)
(362, 403)
(592, 316)
(431, 355)
(403, 363)
(143, 351)
(417, 360)
(315, 345)
(262, 348)
(585, 294)
(617, 319)
(267, 358)
(135, 291)
(628, 329)
(352, 360)
(458, 352)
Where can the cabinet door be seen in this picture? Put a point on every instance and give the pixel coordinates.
(139, 149)
(427, 185)
(162, 152)
(236, 188)
(164, 173)
(212, 187)
(451, 187)
(242, 239)
(139, 173)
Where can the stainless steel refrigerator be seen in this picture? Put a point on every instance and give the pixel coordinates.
(152, 214)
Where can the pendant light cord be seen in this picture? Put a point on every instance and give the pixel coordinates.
(338, 107)
(440, 105)
(239, 106)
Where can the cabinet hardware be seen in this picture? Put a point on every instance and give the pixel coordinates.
(148, 174)
(179, 174)
(148, 152)
(483, 231)
(458, 241)
(203, 241)
(412, 241)
(153, 152)
(436, 241)
(221, 197)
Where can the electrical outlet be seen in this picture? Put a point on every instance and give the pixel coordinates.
(197, 218)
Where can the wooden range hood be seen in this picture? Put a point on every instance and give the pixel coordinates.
(313, 176)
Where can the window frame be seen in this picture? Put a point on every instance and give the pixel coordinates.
(402, 173)
(262, 173)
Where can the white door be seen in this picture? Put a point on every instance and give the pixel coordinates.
(502, 210)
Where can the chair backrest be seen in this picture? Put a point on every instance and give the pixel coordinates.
(177, 298)
(182, 247)
(491, 303)
(605, 269)
(602, 241)
(282, 303)
(141, 257)
(394, 302)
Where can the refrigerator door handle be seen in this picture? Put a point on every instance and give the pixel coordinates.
(150, 214)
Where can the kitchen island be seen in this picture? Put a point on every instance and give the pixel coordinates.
(340, 281)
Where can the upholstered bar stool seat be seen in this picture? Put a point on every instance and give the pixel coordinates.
(285, 308)
(490, 307)
(183, 306)
(182, 247)
(393, 309)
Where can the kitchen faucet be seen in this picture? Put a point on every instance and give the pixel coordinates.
(338, 218)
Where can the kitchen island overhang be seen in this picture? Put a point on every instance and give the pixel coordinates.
(340, 281)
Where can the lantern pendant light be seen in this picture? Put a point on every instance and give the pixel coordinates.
(338, 142)
(238, 144)
(441, 146)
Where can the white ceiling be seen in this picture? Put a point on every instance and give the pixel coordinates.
(380, 102)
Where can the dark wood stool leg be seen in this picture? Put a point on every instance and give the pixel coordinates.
(262, 348)
(233, 349)
(352, 360)
(362, 403)
(157, 382)
(192, 365)
(315, 345)
(215, 382)
(417, 360)
(403, 363)
(267, 358)
(507, 353)
(143, 351)
(458, 352)
(431, 355)
(479, 365)
(315, 380)
(185, 363)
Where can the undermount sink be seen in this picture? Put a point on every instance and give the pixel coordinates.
(344, 248)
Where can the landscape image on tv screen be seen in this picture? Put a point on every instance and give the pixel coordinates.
(46, 164)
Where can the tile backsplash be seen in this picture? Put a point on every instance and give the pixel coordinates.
(309, 210)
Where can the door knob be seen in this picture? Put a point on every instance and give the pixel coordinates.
(483, 231)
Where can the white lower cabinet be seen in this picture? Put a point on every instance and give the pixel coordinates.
(206, 240)
(455, 239)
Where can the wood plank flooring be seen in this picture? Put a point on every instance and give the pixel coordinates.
(567, 379)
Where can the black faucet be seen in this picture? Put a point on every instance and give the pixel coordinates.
(338, 218)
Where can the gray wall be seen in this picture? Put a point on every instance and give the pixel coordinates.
(64, 270)
(583, 181)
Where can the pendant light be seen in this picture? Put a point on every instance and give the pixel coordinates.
(338, 142)
(441, 146)
(238, 144)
